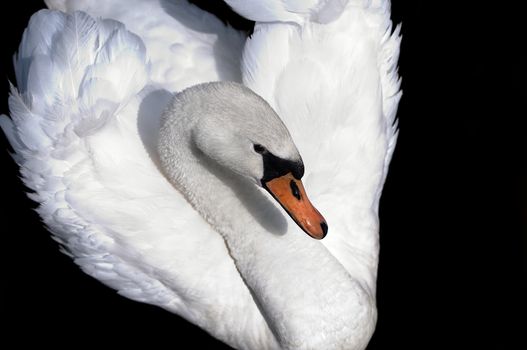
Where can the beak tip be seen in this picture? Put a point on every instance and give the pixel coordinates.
(324, 227)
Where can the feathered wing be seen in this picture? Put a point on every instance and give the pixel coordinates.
(62, 100)
(83, 120)
(336, 87)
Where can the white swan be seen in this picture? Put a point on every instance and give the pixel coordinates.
(84, 125)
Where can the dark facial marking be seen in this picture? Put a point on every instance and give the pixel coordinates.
(275, 167)
(294, 189)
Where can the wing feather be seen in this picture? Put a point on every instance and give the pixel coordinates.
(336, 87)
(49, 133)
(84, 120)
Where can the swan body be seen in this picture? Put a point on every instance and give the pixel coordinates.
(198, 237)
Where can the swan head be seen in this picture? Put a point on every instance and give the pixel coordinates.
(240, 131)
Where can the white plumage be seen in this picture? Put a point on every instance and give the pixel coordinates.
(84, 123)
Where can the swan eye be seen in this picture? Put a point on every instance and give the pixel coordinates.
(259, 149)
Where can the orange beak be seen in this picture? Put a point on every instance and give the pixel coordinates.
(291, 195)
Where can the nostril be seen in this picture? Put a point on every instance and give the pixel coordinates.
(324, 227)
(294, 190)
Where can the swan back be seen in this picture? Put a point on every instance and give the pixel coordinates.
(295, 11)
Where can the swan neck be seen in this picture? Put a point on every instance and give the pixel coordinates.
(285, 270)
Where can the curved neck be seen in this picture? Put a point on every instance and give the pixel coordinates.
(302, 291)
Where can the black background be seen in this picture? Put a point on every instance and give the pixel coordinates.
(453, 213)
